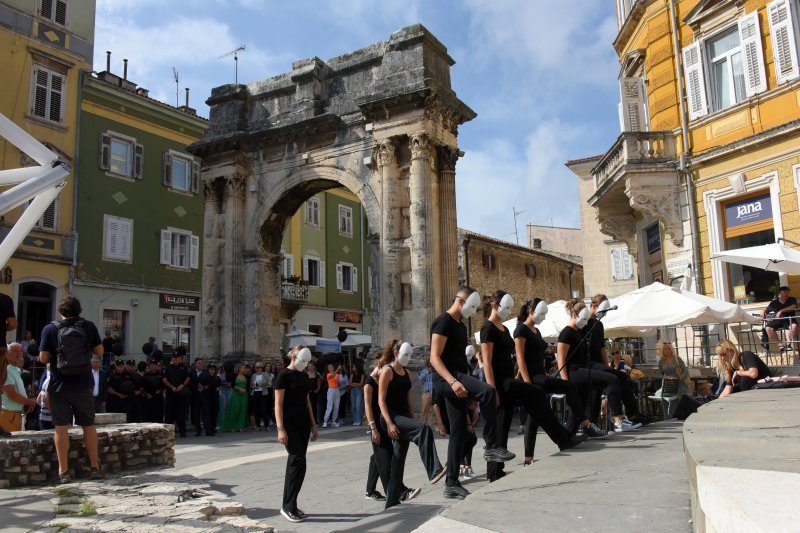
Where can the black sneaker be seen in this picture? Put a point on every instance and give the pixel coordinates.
(300, 513)
(572, 442)
(375, 495)
(497, 455)
(290, 516)
(409, 494)
(438, 475)
(4, 433)
(593, 432)
(456, 492)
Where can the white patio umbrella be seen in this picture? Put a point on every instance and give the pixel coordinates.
(772, 257)
(557, 318)
(659, 305)
(356, 338)
(301, 336)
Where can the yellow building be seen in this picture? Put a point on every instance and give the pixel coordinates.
(44, 45)
(709, 154)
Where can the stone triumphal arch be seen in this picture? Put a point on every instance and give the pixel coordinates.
(382, 122)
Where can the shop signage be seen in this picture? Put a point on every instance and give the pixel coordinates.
(329, 346)
(178, 302)
(653, 239)
(347, 316)
(748, 211)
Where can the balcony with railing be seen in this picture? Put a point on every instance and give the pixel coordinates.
(645, 149)
(294, 291)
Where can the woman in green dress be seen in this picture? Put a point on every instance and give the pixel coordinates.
(236, 417)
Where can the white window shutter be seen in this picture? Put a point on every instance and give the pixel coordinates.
(166, 247)
(755, 78)
(339, 279)
(112, 238)
(784, 40)
(695, 81)
(138, 161)
(195, 176)
(289, 265)
(627, 270)
(194, 254)
(166, 174)
(633, 111)
(104, 156)
(125, 230)
(322, 273)
(621, 120)
(355, 279)
(305, 268)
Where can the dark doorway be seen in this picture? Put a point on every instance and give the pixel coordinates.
(34, 308)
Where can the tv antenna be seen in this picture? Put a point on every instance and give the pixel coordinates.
(516, 233)
(175, 75)
(235, 54)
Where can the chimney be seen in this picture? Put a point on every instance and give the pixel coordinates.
(537, 244)
(125, 70)
(108, 60)
(187, 98)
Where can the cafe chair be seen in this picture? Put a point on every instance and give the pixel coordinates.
(669, 394)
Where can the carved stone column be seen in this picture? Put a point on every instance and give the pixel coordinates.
(233, 341)
(448, 226)
(262, 276)
(390, 299)
(213, 249)
(421, 274)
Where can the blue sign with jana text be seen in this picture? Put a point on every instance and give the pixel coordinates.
(748, 211)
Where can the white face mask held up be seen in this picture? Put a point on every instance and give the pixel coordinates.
(404, 354)
(471, 305)
(506, 306)
(540, 312)
(302, 360)
(583, 318)
(470, 352)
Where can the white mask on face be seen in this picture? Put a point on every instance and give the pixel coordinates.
(540, 312)
(506, 305)
(404, 354)
(470, 352)
(583, 318)
(471, 305)
(302, 360)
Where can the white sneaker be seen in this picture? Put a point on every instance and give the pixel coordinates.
(468, 472)
(626, 425)
(334, 424)
(324, 424)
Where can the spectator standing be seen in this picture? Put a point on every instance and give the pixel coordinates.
(226, 377)
(176, 381)
(333, 378)
(8, 322)
(70, 388)
(213, 396)
(15, 400)
(45, 417)
(258, 397)
(357, 379)
(100, 387)
(236, 417)
(199, 381)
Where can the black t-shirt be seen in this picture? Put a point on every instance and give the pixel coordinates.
(453, 355)
(750, 360)
(376, 408)
(176, 374)
(59, 382)
(108, 343)
(597, 340)
(397, 394)
(296, 387)
(577, 349)
(502, 350)
(776, 305)
(6, 312)
(535, 347)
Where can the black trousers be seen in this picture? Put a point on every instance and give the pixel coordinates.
(213, 407)
(298, 432)
(457, 416)
(471, 438)
(259, 402)
(380, 463)
(626, 392)
(201, 412)
(553, 385)
(534, 399)
(153, 408)
(175, 411)
(600, 380)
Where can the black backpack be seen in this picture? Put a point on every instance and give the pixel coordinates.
(74, 356)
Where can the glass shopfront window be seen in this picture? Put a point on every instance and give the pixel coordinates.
(116, 322)
(748, 222)
(176, 330)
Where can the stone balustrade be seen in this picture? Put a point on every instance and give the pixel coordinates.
(635, 147)
(29, 457)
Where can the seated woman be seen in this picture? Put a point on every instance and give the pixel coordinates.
(740, 370)
(672, 368)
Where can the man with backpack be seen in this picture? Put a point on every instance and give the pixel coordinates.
(68, 344)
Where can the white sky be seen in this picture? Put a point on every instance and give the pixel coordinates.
(541, 74)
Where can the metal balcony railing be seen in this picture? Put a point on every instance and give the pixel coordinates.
(292, 291)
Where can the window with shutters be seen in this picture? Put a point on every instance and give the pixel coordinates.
(49, 219)
(346, 277)
(530, 270)
(287, 267)
(624, 8)
(784, 24)
(120, 155)
(312, 212)
(180, 172)
(632, 104)
(345, 221)
(54, 11)
(621, 264)
(314, 271)
(725, 68)
(48, 94)
(180, 249)
(117, 239)
(488, 260)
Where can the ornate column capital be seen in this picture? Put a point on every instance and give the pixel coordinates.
(210, 190)
(235, 185)
(386, 152)
(420, 145)
(448, 157)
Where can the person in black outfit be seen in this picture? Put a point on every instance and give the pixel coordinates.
(741, 370)
(199, 381)
(530, 349)
(573, 365)
(782, 309)
(295, 420)
(497, 348)
(176, 381)
(213, 396)
(380, 460)
(599, 358)
(453, 381)
(397, 417)
(119, 390)
(443, 423)
(153, 393)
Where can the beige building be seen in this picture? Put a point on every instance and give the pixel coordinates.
(489, 264)
(554, 239)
